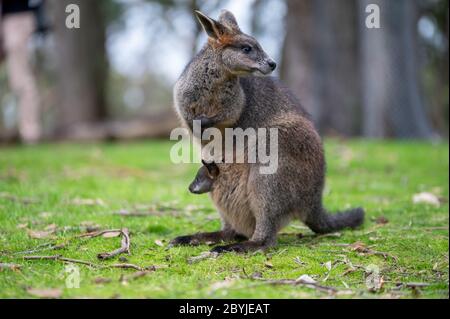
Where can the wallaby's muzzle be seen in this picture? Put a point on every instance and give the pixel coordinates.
(272, 64)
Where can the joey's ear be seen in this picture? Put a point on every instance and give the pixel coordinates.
(227, 19)
(213, 28)
(213, 170)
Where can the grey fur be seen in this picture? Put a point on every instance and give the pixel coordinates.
(219, 86)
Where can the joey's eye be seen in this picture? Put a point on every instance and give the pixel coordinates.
(246, 49)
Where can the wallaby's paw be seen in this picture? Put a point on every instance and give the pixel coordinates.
(205, 121)
(188, 240)
(243, 247)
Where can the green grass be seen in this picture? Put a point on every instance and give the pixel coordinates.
(380, 176)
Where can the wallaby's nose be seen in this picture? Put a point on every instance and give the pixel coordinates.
(272, 65)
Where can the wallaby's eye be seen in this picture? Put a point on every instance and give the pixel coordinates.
(246, 49)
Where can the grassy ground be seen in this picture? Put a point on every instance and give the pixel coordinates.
(55, 191)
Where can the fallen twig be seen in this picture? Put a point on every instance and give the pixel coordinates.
(126, 266)
(124, 247)
(52, 246)
(137, 213)
(297, 282)
(416, 284)
(61, 258)
(436, 228)
(98, 233)
(148, 212)
(87, 263)
(203, 255)
(47, 246)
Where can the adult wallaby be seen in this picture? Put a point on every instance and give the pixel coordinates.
(222, 87)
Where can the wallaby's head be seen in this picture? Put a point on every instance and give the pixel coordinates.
(240, 53)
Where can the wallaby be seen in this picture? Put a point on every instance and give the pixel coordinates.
(226, 83)
(204, 180)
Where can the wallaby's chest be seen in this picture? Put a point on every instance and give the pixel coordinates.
(205, 89)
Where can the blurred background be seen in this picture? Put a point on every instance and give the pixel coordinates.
(112, 78)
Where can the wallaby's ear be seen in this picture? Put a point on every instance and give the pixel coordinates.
(227, 19)
(212, 168)
(213, 28)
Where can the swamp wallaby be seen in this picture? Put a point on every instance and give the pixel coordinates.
(224, 86)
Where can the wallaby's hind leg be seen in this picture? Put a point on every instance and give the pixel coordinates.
(227, 234)
(264, 237)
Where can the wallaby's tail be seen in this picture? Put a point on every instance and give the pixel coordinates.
(322, 222)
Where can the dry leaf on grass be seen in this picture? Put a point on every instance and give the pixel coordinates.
(88, 202)
(381, 220)
(426, 198)
(221, 284)
(159, 243)
(39, 234)
(359, 247)
(45, 215)
(51, 227)
(45, 292)
(9, 266)
(90, 226)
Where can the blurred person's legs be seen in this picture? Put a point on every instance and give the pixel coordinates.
(17, 31)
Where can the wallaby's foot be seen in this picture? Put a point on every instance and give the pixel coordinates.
(243, 247)
(205, 238)
(188, 240)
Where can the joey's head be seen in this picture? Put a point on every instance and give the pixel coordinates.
(203, 182)
(240, 53)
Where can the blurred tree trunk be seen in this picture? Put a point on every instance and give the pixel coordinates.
(194, 5)
(297, 64)
(320, 62)
(393, 104)
(81, 65)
